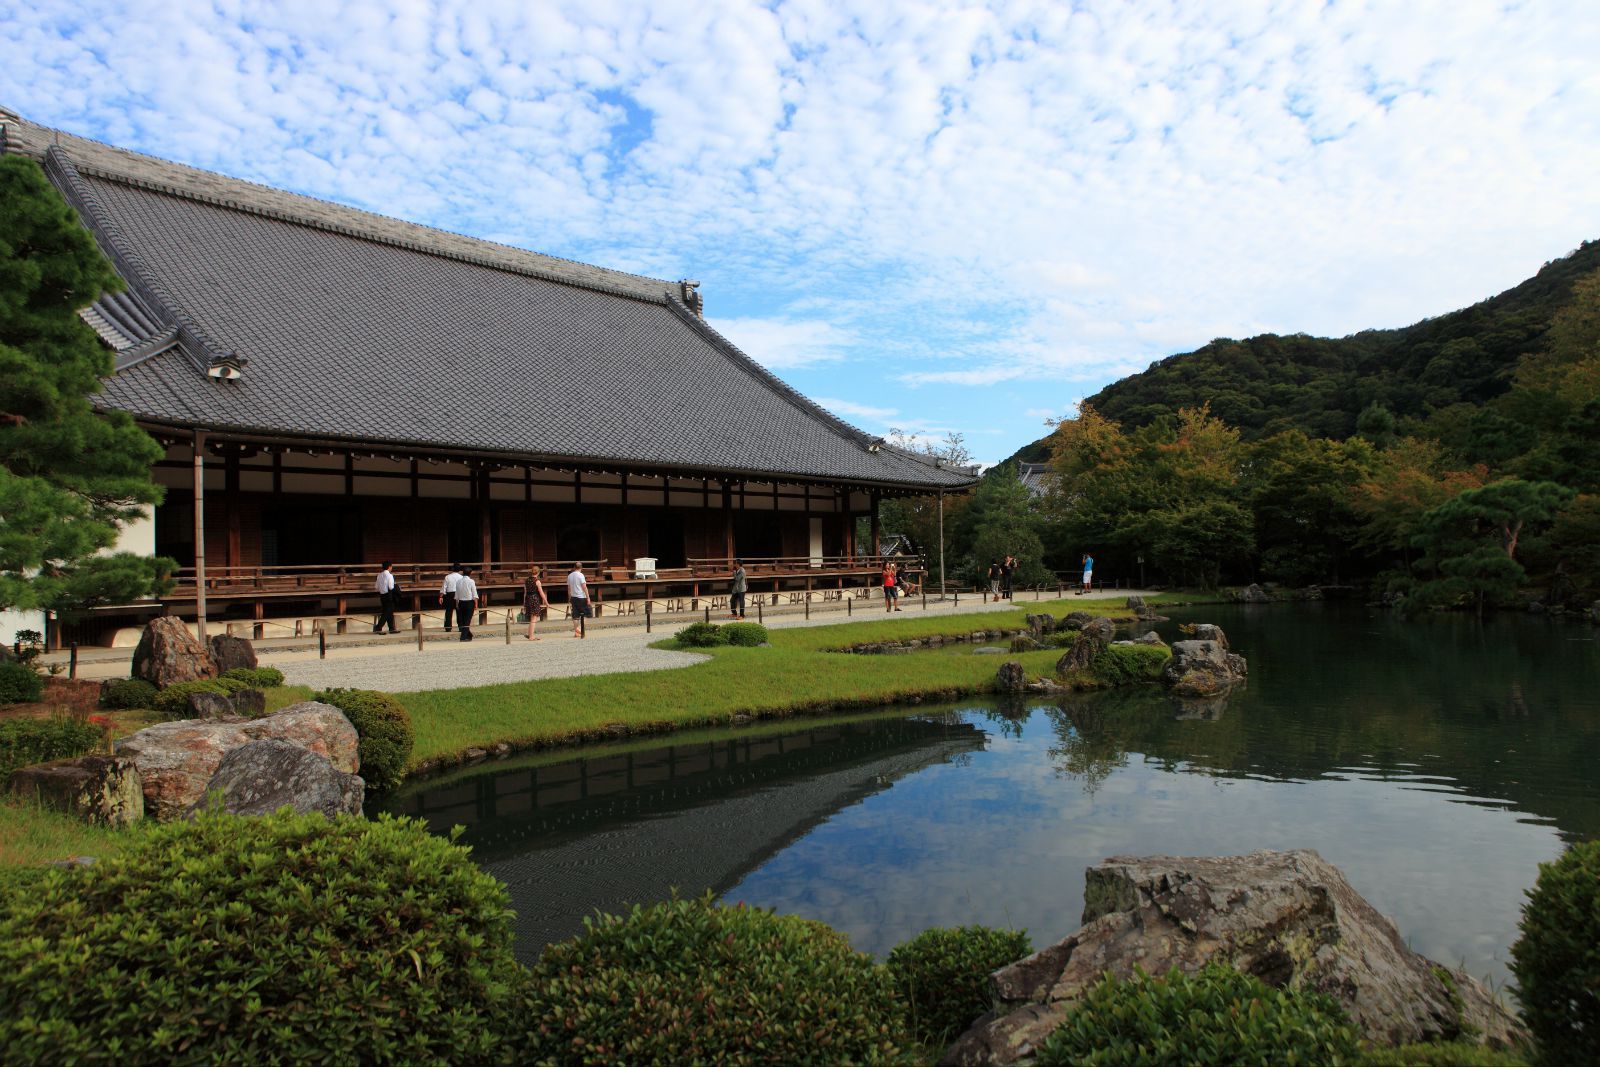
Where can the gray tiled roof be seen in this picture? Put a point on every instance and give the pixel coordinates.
(362, 328)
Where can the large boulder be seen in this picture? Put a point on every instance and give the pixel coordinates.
(1204, 667)
(1092, 639)
(1010, 678)
(229, 652)
(1041, 624)
(1288, 918)
(1076, 620)
(1253, 594)
(243, 703)
(176, 760)
(259, 777)
(168, 654)
(104, 790)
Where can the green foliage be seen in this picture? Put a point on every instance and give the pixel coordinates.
(283, 939)
(1127, 664)
(1441, 1054)
(384, 727)
(687, 981)
(1557, 959)
(746, 634)
(1470, 541)
(24, 742)
(19, 683)
(256, 677)
(1215, 1016)
(69, 478)
(173, 701)
(128, 693)
(1002, 519)
(701, 635)
(943, 975)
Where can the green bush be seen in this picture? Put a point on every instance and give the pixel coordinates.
(173, 701)
(255, 677)
(1556, 961)
(385, 730)
(1126, 664)
(701, 635)
(748, 634)
(943, 974)
(1440, 1054)
(126, 693)
(24, 742)
(19, 683)
(283, 939)
(1215, 1016)
(687, 981)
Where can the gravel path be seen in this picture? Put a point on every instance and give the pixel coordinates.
(609, 648)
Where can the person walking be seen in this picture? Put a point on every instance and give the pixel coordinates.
(387, 596)
(737, 591)
(447, 594)
(466, 602)
(578, 598)
(887, 578)
(534, 602)
(994, 578)
(1088, 573)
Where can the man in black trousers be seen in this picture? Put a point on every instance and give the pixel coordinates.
(386, 599)
(466, 603)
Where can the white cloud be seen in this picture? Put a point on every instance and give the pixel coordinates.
(856, 411)
(782, 343)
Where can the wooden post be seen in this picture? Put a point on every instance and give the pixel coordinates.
(322, 643)
(941, 549)
(416, 620)
(72, 664)
(647, 604)
(200, 534)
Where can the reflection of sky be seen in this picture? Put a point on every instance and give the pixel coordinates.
(1001, 839)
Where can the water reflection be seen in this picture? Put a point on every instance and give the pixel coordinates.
(1436, 764)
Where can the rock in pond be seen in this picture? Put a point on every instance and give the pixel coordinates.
(168, 654)
(1038, 625)
(177, 759)
(1204, 667)
(1093, 637)
(259, 777)
(1253, 594)
(1284, 917)
(1010, 678)
(103, 790)
(229, 653)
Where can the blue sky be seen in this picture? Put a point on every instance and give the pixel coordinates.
(928, 216)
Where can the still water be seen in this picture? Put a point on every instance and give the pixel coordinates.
(1437, 763)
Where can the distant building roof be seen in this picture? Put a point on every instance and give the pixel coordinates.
(338, 324)
(1035, 477)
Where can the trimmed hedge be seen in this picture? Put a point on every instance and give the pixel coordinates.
(745, 634)
(385, 730)
(173, 701)
(1215, 1016)
(688, 981)
(701, 635)
(1556, 961)
(24, 742)
(283, 939)
(19, 683)
(943, 973)
(256, 677)
(124, 693)
(1126, 664)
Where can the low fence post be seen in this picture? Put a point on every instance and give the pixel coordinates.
(647, 604)
(583, 626)
(72, 662)
(808, 603)
(708, 616)
(416, 620)
(849, 605)
(322, 643)
(924, 596)
(508, 627)
(759, 617)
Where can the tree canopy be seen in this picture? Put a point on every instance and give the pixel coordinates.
(69, 478)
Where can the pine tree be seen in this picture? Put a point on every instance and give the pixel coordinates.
(69, 478)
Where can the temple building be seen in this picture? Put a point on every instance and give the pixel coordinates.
(335, 388)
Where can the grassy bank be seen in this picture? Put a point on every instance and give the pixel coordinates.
(799, 674)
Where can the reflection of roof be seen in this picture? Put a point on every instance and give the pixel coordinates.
(1034, 477)
(691, 817)
(354, 327)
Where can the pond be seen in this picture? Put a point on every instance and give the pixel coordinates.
(1436, 762)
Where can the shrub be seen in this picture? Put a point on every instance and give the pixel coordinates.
(283, 939)
(687, 981)
(748, 634)
(1125, 664)
(19, 683)
(701, 635)
(1441, 1054)
(24, 742)
(173, 701)
(1214, 1016)
(1556, 961)
(128, 693)
(255, 677)
(385, 731)
(943, 974)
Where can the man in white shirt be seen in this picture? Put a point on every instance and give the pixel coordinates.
(466, 601)
(578, 598)
(447, 594)
(385, 587)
